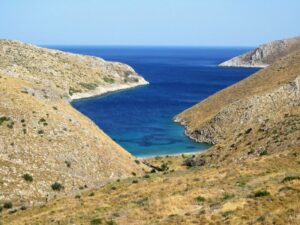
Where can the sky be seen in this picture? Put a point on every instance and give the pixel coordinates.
(149, 22)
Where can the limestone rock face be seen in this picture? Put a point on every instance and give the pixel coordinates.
(42, 135)
(265, 54)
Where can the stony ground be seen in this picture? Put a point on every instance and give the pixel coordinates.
(47, 148)
(260, 190)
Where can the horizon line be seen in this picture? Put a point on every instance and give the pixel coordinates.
(146, 46)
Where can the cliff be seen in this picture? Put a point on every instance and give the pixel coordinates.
(43, 140)
(265, 54)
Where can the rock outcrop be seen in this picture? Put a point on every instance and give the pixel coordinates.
(42, 137)
(265, 54)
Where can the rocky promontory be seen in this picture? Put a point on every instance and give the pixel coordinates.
(265, 54)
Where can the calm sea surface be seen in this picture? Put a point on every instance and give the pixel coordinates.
(140, 119)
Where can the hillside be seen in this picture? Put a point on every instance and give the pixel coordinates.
(250, 176)
(260, 100)
(70, 76)
(47, 148)
(265, 54)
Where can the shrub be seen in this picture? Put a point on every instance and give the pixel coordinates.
(227, 196)
(111, 222)
(3, 119)
(199, 199)
(135, 181)
(68, 163)
(261, 194)
(91, 194)
(27, 177)
(89, 86)
(7, 205)
(96, 221)
(290, 178)
(164, 167)
(56, 186)
(108, 80)
(264, 152)
(142, 201)
(147, 176)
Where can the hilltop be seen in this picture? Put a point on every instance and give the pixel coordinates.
(265, 54)
(47, 148)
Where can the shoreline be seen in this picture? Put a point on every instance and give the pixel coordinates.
(232, 65)
(102, 90)
(170, 155)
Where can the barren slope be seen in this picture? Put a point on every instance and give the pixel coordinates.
(44, 140)
(262, 98)
(70, 75)
(51, 141)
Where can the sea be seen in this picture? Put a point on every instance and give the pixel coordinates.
(141, 119)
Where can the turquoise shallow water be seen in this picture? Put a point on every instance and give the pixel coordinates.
(141, 119)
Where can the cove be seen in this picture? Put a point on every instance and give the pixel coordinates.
(141, 119)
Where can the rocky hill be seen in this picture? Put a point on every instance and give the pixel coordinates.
(47, 148)
(65, 75)
(259, 115)
(250, 176)
(265, 54)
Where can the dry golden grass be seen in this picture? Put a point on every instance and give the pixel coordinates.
(227, 196)
(283, 71)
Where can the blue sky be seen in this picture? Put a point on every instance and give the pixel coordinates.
(149, 22)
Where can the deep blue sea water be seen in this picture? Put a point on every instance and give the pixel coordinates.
(140, 119)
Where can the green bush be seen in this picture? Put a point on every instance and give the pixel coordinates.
(56, 186)
(265, 152)
(96, 221)
(27, 177)
(91, 194)
(261, 194)
(199, 199)
(290, 178)
(3, 119)
(111, 222)
(7, 205)
(89, 86)
(109, 80)
(227, 196)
